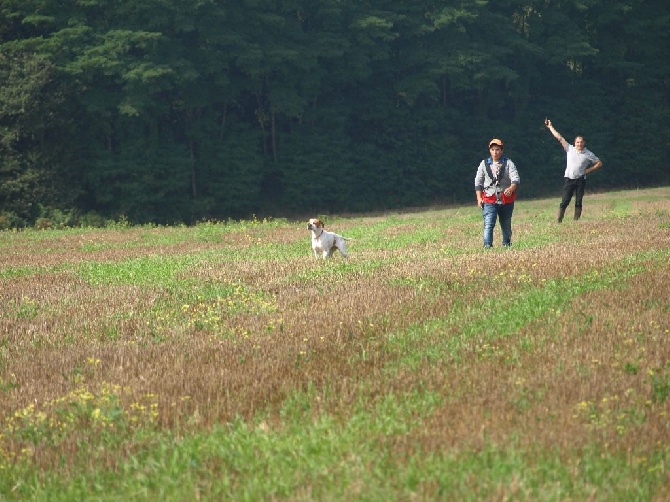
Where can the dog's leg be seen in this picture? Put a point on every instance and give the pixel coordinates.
(341, 244)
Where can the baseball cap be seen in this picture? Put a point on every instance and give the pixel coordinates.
(496, 141)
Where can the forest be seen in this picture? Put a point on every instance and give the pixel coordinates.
(179, 111)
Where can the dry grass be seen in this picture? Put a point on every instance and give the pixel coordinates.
(242, 318)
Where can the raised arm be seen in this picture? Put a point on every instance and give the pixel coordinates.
(555, 133)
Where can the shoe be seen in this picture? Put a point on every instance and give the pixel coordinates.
(561, 213)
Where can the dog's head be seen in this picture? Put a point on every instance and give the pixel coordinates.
(314, 223)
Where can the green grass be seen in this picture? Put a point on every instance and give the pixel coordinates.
(223, 362)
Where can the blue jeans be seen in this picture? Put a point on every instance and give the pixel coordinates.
(504, 213)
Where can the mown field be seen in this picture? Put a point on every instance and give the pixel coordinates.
(223, 362)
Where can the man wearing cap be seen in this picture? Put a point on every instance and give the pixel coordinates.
(495, 186)
(579, 163)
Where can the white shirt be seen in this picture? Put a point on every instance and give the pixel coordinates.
(577, 162)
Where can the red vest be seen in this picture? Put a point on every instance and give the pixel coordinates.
(492, 199)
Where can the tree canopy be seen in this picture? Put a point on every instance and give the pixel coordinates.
(171, 111)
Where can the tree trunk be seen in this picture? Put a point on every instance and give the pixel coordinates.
(274, 137)
(194, 186)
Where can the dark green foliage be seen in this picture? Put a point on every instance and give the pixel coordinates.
(176, 111)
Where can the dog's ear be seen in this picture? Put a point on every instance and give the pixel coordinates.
(318, 222)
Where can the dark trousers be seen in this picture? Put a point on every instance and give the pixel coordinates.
(573, 187)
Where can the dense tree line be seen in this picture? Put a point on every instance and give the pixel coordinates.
(172, 111)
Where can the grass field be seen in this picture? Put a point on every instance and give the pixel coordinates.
(223, 362)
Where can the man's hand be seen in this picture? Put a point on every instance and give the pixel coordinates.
(555, 133)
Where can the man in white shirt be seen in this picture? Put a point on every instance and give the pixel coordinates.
(579, 163)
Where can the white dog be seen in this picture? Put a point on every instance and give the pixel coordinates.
(324, 242)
